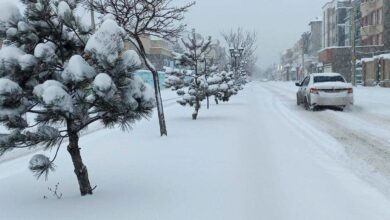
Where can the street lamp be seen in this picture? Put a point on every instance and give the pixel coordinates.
(240, 51)
(236, 53)
(232, 51)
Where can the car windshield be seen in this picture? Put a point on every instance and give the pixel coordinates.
(321, 79)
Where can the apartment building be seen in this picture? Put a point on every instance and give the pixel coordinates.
(375, 23)
(354, 13)
(334, 15)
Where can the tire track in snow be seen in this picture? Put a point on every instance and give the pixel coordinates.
(359, 113)
(363, 148)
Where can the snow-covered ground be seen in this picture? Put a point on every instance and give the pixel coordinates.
(362, 130)
(258, 157)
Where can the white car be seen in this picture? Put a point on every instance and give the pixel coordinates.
(324, 90)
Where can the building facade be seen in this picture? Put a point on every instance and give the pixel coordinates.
(334, 16)
(315, 43)
(354, 13)
(158, 51)
(375, 19)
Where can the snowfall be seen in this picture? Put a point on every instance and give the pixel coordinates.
(258, 157)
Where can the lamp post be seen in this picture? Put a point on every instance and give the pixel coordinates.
(236, 53)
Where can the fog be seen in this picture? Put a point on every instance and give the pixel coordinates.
(279, 23)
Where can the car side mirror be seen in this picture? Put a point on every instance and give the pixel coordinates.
(298, 84)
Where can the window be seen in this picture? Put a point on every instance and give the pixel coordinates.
(380, 16)
(380, 39)
(306, 81)
(321, 79)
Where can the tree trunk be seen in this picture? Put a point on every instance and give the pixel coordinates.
(216, 100)
(156, 81)
(208, 102)
(197, 107)
(79, 168)
(160, 106)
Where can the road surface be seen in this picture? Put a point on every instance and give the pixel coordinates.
(258, 157)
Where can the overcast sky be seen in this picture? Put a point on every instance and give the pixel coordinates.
(279, 23)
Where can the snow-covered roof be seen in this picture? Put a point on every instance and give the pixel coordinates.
(371, 59)
(383, 56)
(365, 60)
(317, 19)
(334, 47)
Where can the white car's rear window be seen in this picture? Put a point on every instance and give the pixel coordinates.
(321, 79)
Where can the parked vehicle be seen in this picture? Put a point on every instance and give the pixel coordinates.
(324, 90)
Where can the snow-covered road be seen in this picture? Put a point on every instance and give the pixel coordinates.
(362, 130)
(258, 157)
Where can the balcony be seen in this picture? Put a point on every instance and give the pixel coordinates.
(371, 30)
(370, 6)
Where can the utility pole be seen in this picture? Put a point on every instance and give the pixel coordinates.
(305, 44)
(93, 24)
(206, 76)
(353, 46)
(303, 66)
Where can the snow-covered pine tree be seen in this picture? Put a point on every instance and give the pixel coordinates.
(214, 81)
(176, 80)
(56, 79)
(144, 18)
(196, 49)
(227, 87)
(242, 76)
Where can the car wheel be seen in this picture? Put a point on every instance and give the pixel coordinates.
(307, 105)
(298, 102)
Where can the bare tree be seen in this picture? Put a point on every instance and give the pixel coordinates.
(237, 38)
(140, 18)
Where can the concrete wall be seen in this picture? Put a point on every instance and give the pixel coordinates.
(385, 72)
(370, 70)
